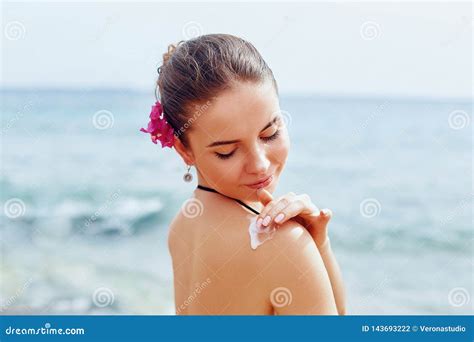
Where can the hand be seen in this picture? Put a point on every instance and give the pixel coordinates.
(297, 207)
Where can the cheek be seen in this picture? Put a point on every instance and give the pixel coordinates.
(222, 172)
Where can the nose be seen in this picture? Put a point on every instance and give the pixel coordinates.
(257, 161)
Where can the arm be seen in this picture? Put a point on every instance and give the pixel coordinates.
(335, 275)
(302, 210)
(297, 280)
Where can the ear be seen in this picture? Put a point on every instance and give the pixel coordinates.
(184, 152)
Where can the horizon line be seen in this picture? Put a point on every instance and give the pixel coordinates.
(352, 96)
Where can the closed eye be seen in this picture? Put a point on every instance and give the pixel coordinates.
(225, 156)
(271, 137)
(266, 139)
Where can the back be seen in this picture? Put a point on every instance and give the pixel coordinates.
(217, 273)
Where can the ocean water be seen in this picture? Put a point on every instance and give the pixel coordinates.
(86, 200)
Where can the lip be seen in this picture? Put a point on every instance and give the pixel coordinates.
(265, 182)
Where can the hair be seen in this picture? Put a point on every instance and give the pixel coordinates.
(196, 70)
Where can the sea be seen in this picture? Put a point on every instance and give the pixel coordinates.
(87, 199)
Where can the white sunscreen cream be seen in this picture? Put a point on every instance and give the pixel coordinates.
(259, 236)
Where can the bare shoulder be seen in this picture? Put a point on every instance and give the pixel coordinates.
(214, 228)
(295, 275)
(215, 245)
(290, 245)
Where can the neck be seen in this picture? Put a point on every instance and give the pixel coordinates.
(254, 204)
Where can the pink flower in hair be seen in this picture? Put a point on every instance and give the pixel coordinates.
(158, 128)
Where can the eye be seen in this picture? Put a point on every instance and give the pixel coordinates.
(266, 139)
(271, 137)
(224, 156)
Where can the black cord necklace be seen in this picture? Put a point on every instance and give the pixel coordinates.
(235, 199)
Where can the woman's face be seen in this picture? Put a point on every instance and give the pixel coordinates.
(240, 140)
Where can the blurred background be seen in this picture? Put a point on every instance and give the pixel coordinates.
(378, 101)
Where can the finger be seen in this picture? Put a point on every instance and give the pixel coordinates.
(264, 214)
(281, 203)
(266, 199)
(326, 214)
(291, 210)
(264, 196)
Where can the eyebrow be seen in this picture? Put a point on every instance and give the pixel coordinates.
(226, 142)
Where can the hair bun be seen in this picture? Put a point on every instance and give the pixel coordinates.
(167, 55)
(197, 70)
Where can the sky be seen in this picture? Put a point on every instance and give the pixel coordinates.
(421, 49)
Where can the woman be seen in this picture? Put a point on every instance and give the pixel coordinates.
(236, 249)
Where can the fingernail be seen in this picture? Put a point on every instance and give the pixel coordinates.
(259, 222)
(266, 221)
(279, 217)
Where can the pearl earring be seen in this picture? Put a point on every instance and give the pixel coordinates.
(188, 177)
